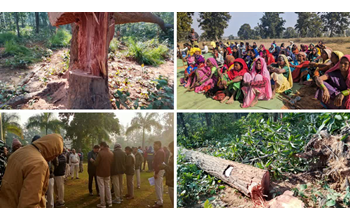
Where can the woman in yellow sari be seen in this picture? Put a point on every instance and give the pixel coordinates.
(281, 76)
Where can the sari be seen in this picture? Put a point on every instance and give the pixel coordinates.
(335, 85)
(270, 58)
(284, 82)
(260, 84)
(232, 74)
(204, 74)
(301, 67)
(200, 63)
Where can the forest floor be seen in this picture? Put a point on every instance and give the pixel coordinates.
(192, 100)
(44, 85)
(77, 194)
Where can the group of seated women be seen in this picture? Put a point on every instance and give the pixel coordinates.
(249, 73)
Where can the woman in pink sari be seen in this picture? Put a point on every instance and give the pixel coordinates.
(209, 77)
(257, 84)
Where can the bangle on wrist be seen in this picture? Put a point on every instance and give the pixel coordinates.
(345, 92)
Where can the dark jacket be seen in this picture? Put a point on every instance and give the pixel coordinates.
(138, 160)
(159, 159)
(150, 154)
(60, 168)
(52, 164)
(169, 172)
(119, 160)
(130, 165)
(103, 162)
(91, 166)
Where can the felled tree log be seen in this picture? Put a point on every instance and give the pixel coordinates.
(249, 180)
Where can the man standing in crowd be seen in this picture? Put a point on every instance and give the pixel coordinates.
(150, 156)
(193, 37)
(130, 171)
(159, 159)
(59, 173)
(16, 144)
(103, 165)
(81, 160)
(67, 154)
(26, 179)
(169, 173)
(3, 159)
(92, 155)
(50, 190)
(144, 158)
(138, 164)
(118, 169)
(74, 164)
(167, 154)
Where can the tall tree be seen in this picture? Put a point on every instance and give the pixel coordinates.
(182, 122)
(290, 33)
(213, 24)
(245, 32)
(17, 23)
(144, 123)
(46, 122)
(88, 129)
(309, 24)
(184, 22)
(335, 22)
(272, 25)
(37, 22)
(10, 124)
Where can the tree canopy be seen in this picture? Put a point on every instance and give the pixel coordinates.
(184, 22)
(213, 24)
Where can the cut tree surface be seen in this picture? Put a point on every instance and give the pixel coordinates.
(249, 180)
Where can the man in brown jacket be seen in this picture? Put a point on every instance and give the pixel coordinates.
(130, 171)
(27, 174)
(103, 165)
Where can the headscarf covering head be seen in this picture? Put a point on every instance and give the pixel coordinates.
(290, 78)
(328, 52)
(339, 54)
(200, 59)
(234, 73)
(336, 67)
(213, 61)
(265, 73)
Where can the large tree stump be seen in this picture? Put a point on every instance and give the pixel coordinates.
(90, 92)
(245, 178)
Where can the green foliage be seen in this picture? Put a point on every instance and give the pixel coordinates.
(6, 37)
(148, 53)
(113, 46)
(335, 22)
(265, 140)
(290, 33)
(245, 32)
(60, 39)
(193, 184)
(163, 98)
(271, 25)
(213, 24)
(309, 24)
(13, 48)
(184, 21)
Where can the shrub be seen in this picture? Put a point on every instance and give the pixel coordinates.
(113, 46)
(60, 39)
(148, 53)
(13, 48)
(7, 36)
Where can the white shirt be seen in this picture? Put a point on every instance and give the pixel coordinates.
(205, 50)
(74, 158)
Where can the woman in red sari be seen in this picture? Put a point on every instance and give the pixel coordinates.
(268, 57)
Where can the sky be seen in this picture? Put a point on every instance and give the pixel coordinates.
(252, 18)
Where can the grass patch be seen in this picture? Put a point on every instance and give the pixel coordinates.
(77, 193)
(148, 53)
(60, 39)
(7, 36)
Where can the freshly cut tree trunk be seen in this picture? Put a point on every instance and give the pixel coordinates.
(88, 92)
(88, 79)
(245, 178)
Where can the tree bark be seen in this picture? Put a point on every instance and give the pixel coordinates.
(17, 25)
(182, 122)
(92, 34)
(240, 176)
(37, 22)
(208, 119)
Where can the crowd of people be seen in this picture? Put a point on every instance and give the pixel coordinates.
(34, 175)
(249, 73)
